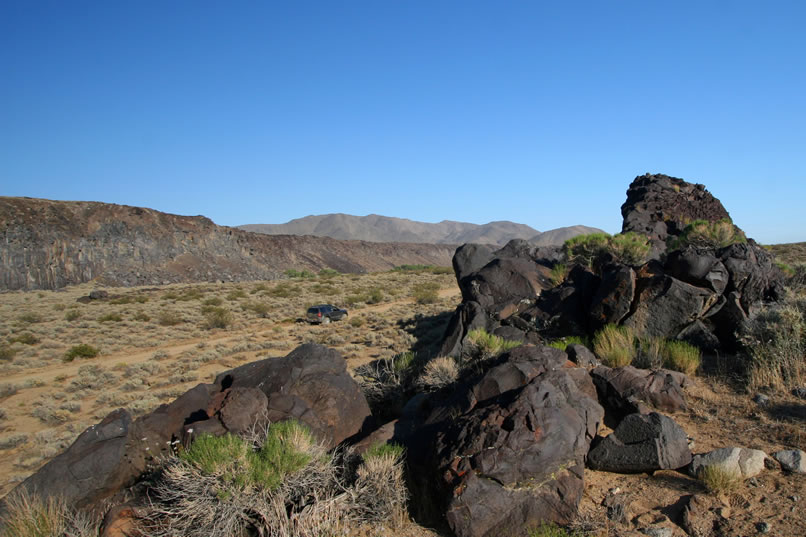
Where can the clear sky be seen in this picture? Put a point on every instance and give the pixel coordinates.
(536, 112)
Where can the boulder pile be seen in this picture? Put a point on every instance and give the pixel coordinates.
(695, 293)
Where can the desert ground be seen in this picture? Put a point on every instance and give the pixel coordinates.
(155, 343)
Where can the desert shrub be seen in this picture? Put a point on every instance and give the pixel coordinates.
(387, 382)
(356, 322)
(236, 294)
(374, 296)
(141, 316)
(261, 309)
(294, 273)
(718, 479)
(563, 343)
(550, 529)
(7, 353)
(615, 345)
(217, 318)
(426, 293)
(630, 248)
(30, 318)
(797, 279)
(82, 350)
(72, 315)
(650, 353)
(26, 338)
(558, 273)
(28, 515)
(776, 343)
(13, 440)
(284, 290)
(439, 372)
(380, 488)
(8, 389)
(169, 318)
(584, 249)
(328, 273)
(681, 356)
(705, 234)
(327, 290)
(110, 318)
(190, 294)
(489, 345)
(213, 301)
(225, 486)
(352, 300)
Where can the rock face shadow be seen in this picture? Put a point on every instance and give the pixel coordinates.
(427, 330)
(788, 411)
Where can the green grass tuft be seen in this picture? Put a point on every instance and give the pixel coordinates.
(615, 345)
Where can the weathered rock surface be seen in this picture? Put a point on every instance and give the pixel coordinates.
(791, 460)
(310, 384)
(508, 451)
(739, 461)
(659, 206)
(50, 244)
(642, 443)
(700, 295)
(627, 390)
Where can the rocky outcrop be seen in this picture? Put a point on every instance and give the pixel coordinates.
(311, 384)
(659, 206)
(627, 390)
(50, 244)
(696, 294)
(504, 451)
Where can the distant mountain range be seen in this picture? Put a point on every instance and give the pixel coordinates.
(377, 228)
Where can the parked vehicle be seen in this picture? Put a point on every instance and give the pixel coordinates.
(324, 313)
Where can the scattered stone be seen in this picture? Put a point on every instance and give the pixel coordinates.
(800, 392)
(581, 356)
(791, 460)
(618, 506)
(743, 462)
(763, 527)
(657, 532)
(761, 400)
(642, 443)
(97, 294)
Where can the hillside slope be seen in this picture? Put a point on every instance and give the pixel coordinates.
(379, 228)
(48, 244)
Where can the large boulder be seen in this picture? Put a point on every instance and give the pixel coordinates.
(753, 274)
(627, 390)
(512, 453)
(311, 384)
(642, 443)
(698, 267)
(741, 462)
(664, 305)
(659, 206)
(613, 298)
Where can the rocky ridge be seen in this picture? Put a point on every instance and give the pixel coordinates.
(50, 244)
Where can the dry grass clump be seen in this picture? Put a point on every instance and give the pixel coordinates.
(615, 345)
(718, 479)
(286, 486)
(29, 515)
(81, 350)
(489, 345)
(776, 340)
(440, 372)
(681, 356)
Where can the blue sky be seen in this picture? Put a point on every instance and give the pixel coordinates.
(539, 113)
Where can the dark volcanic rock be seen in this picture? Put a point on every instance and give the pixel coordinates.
(506, 451)
(698, 267)
(613, 298)
(627, 390)
(467, 317)
(581, 356)
(642, 443)
(312, 385)
(664, 305)
(753, 274)
(659, 206)
(517, 459)
(470, 258)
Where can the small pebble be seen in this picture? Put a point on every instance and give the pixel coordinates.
(800, 392)
(795, 498)
(763, 527)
